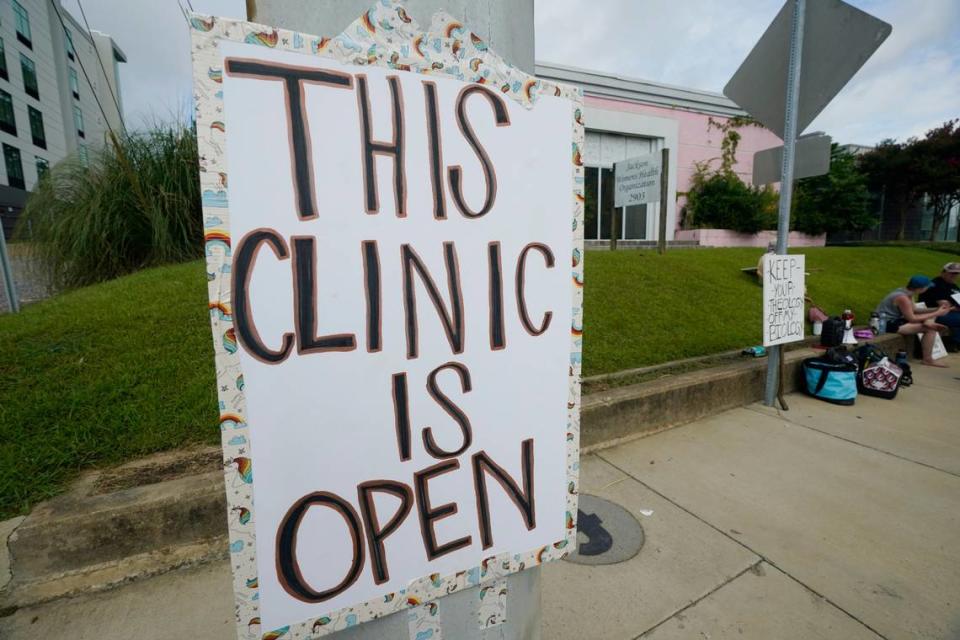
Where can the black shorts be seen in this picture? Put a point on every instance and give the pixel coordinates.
(893, 326)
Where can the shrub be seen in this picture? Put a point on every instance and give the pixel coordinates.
(137, 204)
(721, 200)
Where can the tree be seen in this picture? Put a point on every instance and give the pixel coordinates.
(836, 201)
(892, 169)
(719, 198)
(938, 159)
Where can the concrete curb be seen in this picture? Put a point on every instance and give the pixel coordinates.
(617, 415)
(169, 510)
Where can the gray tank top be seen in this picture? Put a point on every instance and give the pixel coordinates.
(888, 309)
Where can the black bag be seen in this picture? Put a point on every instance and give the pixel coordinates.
(832, 333)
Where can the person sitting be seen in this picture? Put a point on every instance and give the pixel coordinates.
(771, 248)
(898, 312)
(944, 289)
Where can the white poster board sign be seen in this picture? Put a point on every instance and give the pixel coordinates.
(397, 332)
(939, 349)
(783, 290)
(637, 180)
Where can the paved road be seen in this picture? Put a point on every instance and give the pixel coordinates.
(821, 522)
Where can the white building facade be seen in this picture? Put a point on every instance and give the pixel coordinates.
(52, 75)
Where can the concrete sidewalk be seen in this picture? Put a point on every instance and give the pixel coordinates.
(820, 522)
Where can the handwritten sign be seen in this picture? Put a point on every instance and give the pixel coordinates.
(397, 332)
(637, 180)
(783, 290)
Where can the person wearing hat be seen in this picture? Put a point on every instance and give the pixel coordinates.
(944, 289)
(897, 309)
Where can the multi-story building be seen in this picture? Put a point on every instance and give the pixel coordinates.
(53, 73)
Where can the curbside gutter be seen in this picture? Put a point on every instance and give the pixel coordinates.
(107, 530)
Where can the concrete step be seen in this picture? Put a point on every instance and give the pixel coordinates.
(169, 510)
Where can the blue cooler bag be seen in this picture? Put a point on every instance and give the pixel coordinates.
(831, 381)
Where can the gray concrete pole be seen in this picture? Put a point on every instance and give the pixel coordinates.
(786, 174)
(507, 26)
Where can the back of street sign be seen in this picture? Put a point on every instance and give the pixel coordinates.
(838, 40)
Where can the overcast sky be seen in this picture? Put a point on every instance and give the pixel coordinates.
(910, 85)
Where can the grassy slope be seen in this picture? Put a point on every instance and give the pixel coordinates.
(100, 375)
(644, 309)
(118, 370)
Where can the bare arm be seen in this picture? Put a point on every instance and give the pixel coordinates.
(905, 304)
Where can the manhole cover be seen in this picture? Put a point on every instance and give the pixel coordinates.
(606, 533)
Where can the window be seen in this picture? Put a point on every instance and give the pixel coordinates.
(78, 121)
(36, 128)
(11, 156)
(598, 190)
(74, 83)
(29, 76)
(22, 18)
(3, 62)
(71, 51)
(42, 168)
(82, 154)
(8, 122)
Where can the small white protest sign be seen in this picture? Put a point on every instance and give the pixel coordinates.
(637, 180)
(396, 321)
(783, 289)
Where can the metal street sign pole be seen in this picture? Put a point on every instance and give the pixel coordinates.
(8, 275)
(786, 174)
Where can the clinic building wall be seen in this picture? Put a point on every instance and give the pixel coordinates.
(693, 137)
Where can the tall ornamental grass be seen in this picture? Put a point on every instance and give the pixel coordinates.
(132, 207)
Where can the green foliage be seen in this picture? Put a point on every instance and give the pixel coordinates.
(731, 137)
(721, 200)
(833, 202)
(892, 170)
(136, 205)
(101, 375)
(938, 155)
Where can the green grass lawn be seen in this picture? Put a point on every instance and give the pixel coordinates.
(643, 309)
(101, 375)
(118, 370)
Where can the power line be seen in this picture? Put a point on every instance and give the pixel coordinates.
(190, 4)
(106, 78)
(103, 111)
(183, 11)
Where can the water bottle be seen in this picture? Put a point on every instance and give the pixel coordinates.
(875, 323)
(883, 324)
(901, 358)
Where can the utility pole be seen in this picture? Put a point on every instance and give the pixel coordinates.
(507, 26)
(775, 364)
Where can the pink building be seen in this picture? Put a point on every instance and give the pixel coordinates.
(625, 118)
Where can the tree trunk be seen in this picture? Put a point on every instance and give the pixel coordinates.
(937, 221)
(902, 228)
